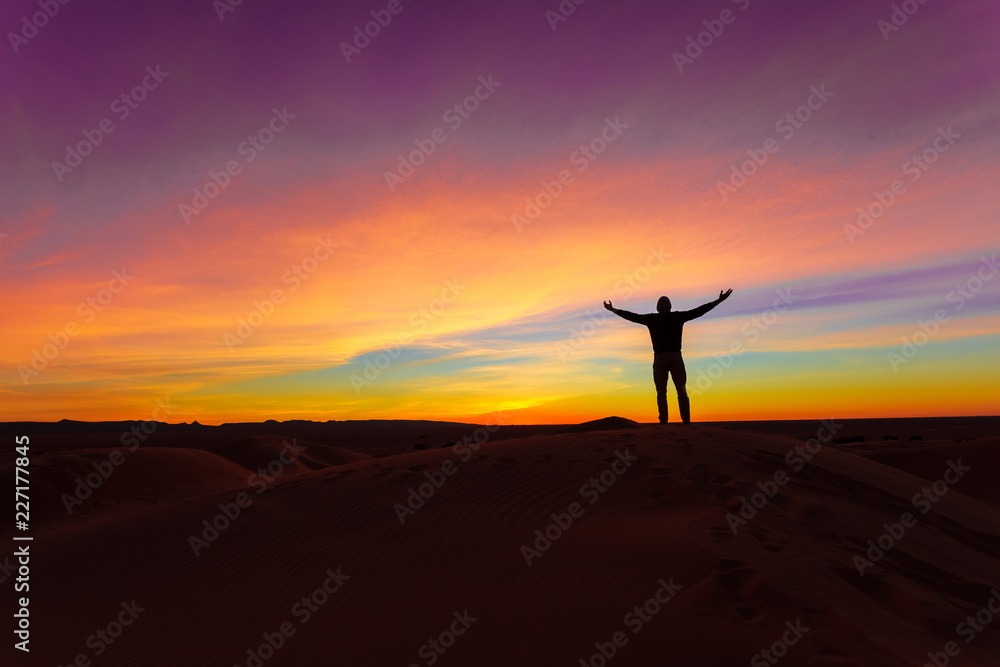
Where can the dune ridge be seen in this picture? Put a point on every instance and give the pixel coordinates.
(663, 518)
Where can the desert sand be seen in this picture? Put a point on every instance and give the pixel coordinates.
(607, 543)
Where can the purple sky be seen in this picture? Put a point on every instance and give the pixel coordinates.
(656, 186)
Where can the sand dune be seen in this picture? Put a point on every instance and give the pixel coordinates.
(655, 525)
(260, 452)
(606, 424)
(88, 483)
(85, 484)
(982, 454)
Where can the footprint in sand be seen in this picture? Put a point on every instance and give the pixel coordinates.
(701, 472)
(721, 536)
(817, 513)
(656, 500)
(743, 588)
(769, 540)
(729, 496)
(734, 591)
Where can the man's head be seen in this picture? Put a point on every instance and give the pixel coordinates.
(663, 305)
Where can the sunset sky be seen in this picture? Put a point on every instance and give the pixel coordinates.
(311, 266)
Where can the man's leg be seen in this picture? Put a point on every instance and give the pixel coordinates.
(660, 370)
(679, 374)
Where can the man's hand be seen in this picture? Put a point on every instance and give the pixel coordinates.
(724, 295)
(607, 304)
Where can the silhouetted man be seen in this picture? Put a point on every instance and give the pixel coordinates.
(665, 329)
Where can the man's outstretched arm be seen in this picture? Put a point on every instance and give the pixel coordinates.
(624, 314)
(701, 310)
